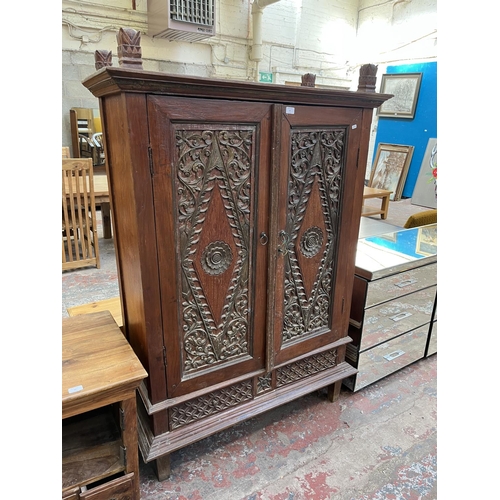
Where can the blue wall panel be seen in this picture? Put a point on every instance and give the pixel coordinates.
(420, 129)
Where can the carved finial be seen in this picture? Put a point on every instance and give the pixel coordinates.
(103, 58)
(367, 78)
(308, 80)
(129, 48)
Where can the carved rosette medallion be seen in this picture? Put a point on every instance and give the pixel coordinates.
(216, 258)
(213, 196)
(311, 241)
(264, 383)
(314, 188)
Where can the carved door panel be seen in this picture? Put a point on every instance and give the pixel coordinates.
(211, 196)
(318, 157)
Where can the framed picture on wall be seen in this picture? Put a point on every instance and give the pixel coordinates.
(390, 168)
(405, 88)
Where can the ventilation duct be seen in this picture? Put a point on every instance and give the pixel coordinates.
(257, 11)
(184, 20)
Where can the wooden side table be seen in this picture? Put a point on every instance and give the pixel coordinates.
(368, 193)
(100, 375)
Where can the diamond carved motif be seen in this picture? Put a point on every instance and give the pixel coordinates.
(311, 241)
(214, 260)
(213, 187)
(315, 183)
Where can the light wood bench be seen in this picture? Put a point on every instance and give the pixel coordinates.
(112, 305)
(369, 193)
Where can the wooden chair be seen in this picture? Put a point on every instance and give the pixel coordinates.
(80, 246)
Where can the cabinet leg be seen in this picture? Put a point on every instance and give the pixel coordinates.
(334, 391)
(163, 467)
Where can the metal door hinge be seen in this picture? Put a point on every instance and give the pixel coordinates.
(150, 158)
(122, 419)
(123, 455)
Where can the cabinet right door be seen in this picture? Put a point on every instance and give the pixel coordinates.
(316, 231)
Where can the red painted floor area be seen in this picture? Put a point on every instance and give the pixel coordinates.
(376, 444)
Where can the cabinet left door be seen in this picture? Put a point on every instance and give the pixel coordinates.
(211, 161)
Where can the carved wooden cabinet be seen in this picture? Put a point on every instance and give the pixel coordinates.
(236, 210)
(394, 297)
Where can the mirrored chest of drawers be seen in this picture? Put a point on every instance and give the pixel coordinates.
(393, 311)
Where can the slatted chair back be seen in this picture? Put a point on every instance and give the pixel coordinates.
(80, 246)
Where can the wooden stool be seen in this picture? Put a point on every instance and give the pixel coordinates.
(368, 193)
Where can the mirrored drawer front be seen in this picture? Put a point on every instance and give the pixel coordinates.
(399, 284)
(432, 349)
(386, 321)
(382, 360)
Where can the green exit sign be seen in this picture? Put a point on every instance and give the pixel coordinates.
(265, 77)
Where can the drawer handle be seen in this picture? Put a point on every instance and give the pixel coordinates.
(407, 282)
(263, 238)
(394, 355)
(400, 316)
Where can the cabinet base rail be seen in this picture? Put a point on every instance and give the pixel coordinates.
(154, 447)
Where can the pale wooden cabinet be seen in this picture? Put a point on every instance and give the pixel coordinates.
(100, 375)
(394, 295)
(236, 210)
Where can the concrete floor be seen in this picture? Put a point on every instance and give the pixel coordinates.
(377, 444)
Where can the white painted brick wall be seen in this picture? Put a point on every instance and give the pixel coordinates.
(299, 36)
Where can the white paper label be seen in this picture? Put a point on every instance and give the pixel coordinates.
(354, 126)
(78, 388)
(290, 111)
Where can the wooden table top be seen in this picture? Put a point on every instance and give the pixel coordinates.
(98, 365)
(113, 305)
(101, 188)
(369, 192)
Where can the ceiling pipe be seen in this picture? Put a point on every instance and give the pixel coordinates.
(257, 11)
